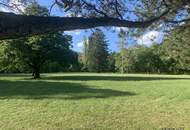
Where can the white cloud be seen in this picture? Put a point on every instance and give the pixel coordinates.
(80, 44)
(68, 14)
(118, 28)
(4, 9)
(150, 37)
(75, 32)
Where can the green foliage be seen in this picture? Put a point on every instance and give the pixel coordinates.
(30, 54)
(176, 50)
(95, 55)
(35, 51)
(172, 56)
(140, 59)
(9, 63)
(36, 10)
(122, 61)
(84, 55)
(111, 62)
(122, 45)
(146, 60)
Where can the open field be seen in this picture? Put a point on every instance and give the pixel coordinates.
(94, 101)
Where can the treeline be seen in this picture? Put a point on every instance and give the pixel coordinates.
(53, 53)
(172, 56)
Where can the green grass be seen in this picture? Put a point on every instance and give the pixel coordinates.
(94, 101)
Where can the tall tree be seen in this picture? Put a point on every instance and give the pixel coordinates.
(176, 50)
(112, 62)
(85, 54)
(123, 60)
(122, 46)
(97, 52)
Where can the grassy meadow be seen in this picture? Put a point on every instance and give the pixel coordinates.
(87, 101)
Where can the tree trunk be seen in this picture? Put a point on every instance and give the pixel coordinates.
(15, 26)
(36, 73)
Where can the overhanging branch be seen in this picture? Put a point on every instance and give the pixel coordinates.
(15, 26)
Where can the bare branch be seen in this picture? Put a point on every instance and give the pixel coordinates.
(117, 10)
(94, 8)
(12, 6)
(50, 10)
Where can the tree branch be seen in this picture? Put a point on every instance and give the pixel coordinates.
(178, 21)
(117, 10)
(94, 8)
(15, 26)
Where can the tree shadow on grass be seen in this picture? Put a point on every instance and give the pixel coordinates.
(20, 75)
(54, 90)
(110, 78)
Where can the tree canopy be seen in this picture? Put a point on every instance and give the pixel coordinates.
(33, 52)
(95, 53)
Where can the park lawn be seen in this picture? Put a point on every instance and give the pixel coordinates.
(94, 102)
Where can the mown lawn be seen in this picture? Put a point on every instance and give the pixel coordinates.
(94, 101)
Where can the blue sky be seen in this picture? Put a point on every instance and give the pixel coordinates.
(78, 35)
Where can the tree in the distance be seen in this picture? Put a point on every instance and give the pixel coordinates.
(112, 62)
(122, 43)
(147, 61)
(97, 52)
(85, 56)
(176, 50)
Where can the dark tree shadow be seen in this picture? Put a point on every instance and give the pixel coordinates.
(110, 78)
(51, 90)
(15, 75)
